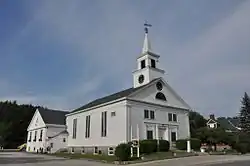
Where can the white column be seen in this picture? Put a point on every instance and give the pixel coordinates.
(144, 128)
(188, 146)
(131, 137)
(167, 133)
(138, 138)
(156, 132)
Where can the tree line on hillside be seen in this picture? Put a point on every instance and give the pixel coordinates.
(14, 120)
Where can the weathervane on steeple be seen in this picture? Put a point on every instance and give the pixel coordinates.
(146, 26)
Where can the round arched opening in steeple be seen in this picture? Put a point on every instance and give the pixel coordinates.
(160, 96)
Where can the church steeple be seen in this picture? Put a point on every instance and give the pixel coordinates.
(146, 44)
(147, 63)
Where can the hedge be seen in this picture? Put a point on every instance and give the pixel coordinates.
(148, 146)
(163, 146)
(242, 148)
(122, 152)
(181, 144)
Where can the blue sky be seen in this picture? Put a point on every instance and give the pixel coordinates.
(62, 54)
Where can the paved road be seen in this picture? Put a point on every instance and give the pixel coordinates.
(237, 163)
(25, 159)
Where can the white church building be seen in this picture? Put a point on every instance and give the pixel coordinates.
(151, 106)
(47, 131)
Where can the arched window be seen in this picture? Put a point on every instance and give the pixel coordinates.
(160, 96)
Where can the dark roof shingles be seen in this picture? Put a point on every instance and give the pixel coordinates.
(53, 116)
(225, 124)
(112, 97)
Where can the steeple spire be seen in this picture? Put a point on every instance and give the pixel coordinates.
(147, 63)
(146, 44)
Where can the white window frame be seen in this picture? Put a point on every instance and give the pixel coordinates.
(83, 149)
(95, 153)
(74, 133)
(172, 117)
(113, 150)
(71, 150)
(113, 113)
(150, 114)
(104, 124)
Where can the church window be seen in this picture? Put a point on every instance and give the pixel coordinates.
(87, 132)
(146, 114)
(113, 113)
(170, 118)
(74, 128)
(153, 63)
(96, 150)
(51, 145)
(174, 117)
(111, 151)
(41, 135)
(64, 139)
(35, 136)
(149, 134)
(104, 124)
(159, 86)
(173, 136)
(160, 96)
(72, 150)
(83, 150)
(30, 136)
(143, 64)
(152, 115)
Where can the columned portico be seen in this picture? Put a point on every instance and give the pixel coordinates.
(161, 131)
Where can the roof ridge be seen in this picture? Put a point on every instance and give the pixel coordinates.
(111, 97)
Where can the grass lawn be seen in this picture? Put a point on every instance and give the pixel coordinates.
(103, 158)
(111, 159)
(163, 155)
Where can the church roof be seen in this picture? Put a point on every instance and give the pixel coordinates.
(115, 96)
(53, 116)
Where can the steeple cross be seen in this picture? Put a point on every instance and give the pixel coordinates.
(146, 26)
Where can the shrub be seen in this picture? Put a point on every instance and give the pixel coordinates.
(181, 144)
(163, 146)
(242, 148)
(148, 146)
(122, 152)
(195, 143)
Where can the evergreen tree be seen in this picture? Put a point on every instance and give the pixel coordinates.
(196, 121)
(245, 114)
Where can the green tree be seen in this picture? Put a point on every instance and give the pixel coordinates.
(245, 114)
(196, 121)
(214, 136)
(14, 120)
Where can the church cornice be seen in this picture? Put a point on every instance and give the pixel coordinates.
(149, 67)
(158, 105)
(149, 53)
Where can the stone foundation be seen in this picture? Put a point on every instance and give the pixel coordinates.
(90, 149)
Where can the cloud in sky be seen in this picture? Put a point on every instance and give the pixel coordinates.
(62, 54)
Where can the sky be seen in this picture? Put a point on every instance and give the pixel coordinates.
(62, 54)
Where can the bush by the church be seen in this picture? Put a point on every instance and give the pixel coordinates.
(148, 146)
(181, 144)
(122, 152)
(163, 146)
(242, 148)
